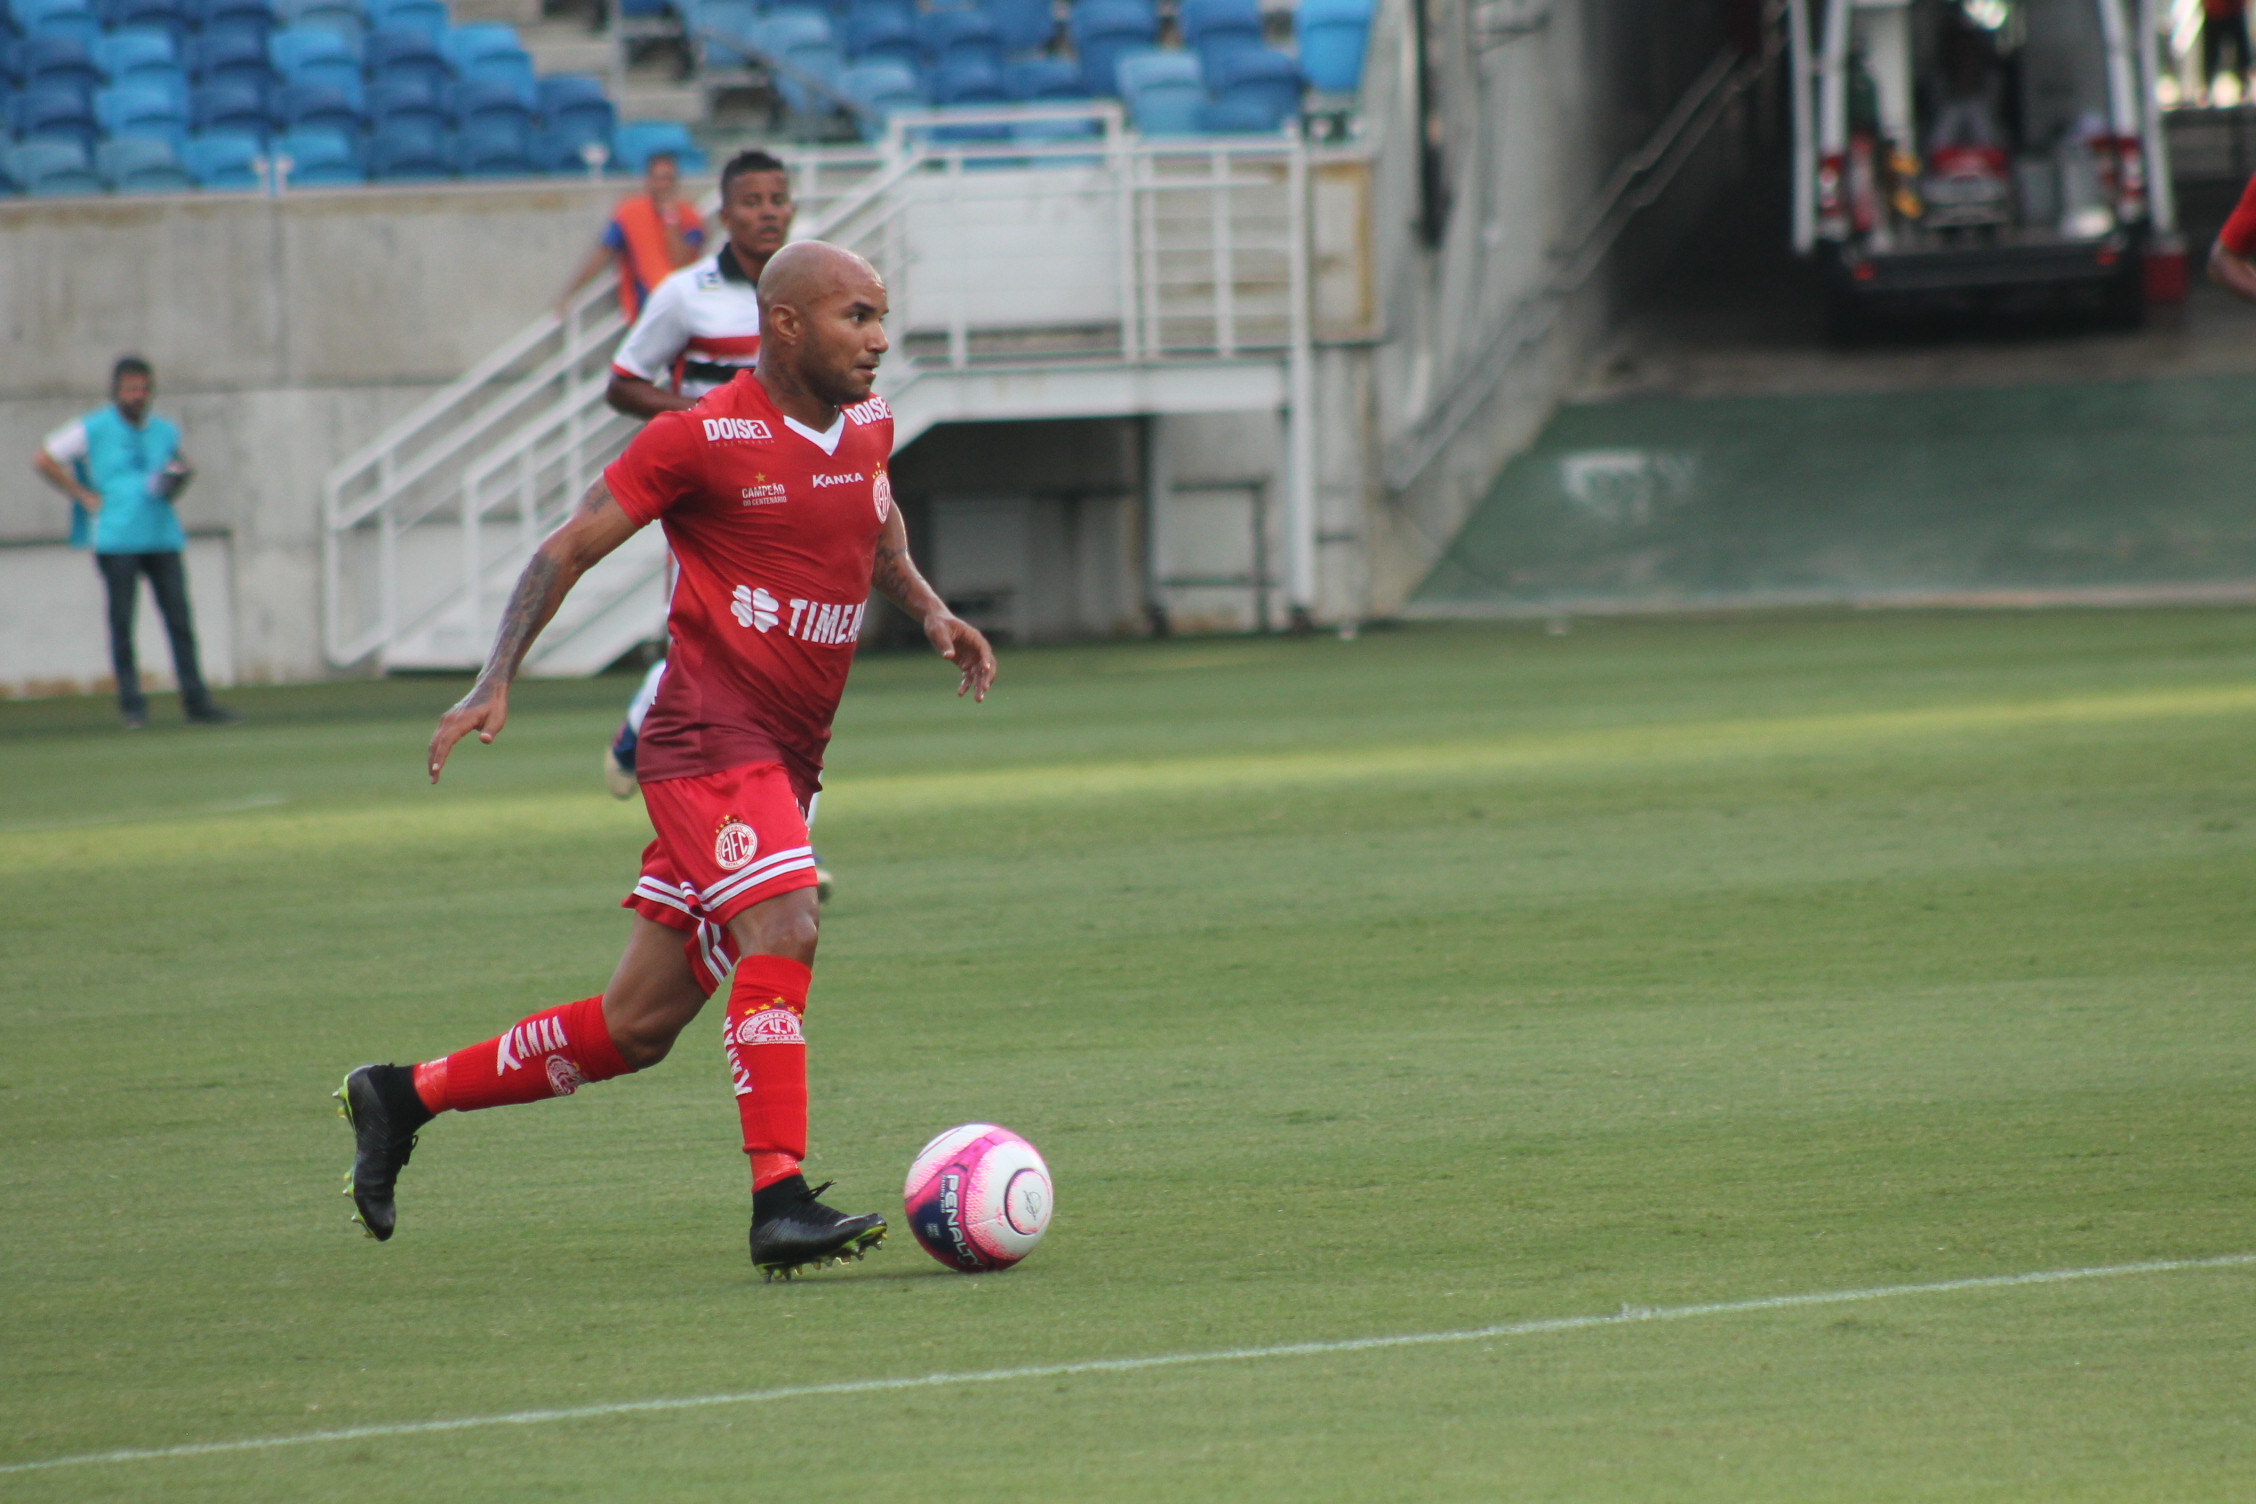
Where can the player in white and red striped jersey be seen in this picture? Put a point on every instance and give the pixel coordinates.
(774, 496)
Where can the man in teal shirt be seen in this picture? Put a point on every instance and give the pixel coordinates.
(121, 467)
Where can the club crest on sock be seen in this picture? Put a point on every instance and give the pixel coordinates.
(564, 1076)
(775, 1024)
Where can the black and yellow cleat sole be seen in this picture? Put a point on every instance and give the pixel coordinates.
(860, 1247)
(344, 1110)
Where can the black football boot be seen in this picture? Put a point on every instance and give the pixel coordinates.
(380, 1103)
(793, 1232)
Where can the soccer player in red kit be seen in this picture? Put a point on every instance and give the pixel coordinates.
(774, 496)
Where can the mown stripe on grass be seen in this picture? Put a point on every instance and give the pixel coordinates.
(1627, 1316)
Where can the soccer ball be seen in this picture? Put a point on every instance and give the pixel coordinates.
(978, 1198)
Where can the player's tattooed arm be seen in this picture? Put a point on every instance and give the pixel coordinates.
(595, 527)
(896, 577)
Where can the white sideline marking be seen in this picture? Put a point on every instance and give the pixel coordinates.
(148, 816)
(1627, 1316)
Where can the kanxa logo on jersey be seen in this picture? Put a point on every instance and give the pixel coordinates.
(826, 623)
(737, 431)
(734, 844)
(846, 479)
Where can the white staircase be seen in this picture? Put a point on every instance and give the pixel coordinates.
(1052, 265)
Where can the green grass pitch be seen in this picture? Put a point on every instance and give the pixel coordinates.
(1450, 977)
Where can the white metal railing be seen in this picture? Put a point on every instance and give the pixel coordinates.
(1020, 238)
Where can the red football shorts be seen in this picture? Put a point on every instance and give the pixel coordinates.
(726, 841)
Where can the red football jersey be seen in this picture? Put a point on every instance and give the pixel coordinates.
(774, 529)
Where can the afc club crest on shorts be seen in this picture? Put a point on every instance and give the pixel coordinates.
(734, 844)
(882, 490)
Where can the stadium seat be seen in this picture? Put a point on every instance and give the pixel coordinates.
(320, 107)
(337, 15)
(573, 110)
(229, 56)
(495, 148)
(232, 107)
(58, 18)
(143, 110)
(879, 90)
(396, 56)
(1024, 26)
(562, 151)
(54, 114)
(319, 158)
(949, 37)
(1332, 37)
(720, 31)
(1253, 84)
(168, 16)
(800, 40)
(634, 141)
(481, 100)
(251, 17)
(406, 99)
(1032, 79)
(466, 46)
(224, 159)
(1104, 31)
(402, 149)
(1213, 27)
(881, 31)
(49, 169)
(56, 62)
(1163, 91)
(428, 17)
(315, 55)
(122, 55)
(142, 164)
(970, 81)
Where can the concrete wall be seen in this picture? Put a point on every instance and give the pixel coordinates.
(285, 333)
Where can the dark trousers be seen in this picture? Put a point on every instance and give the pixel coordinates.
(168, 581)
(2219, 35)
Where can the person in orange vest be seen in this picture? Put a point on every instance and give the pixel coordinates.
(650, 236)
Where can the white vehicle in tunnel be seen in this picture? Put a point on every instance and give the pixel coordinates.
(1962, 151)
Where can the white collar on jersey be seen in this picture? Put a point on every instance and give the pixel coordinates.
(825, 439)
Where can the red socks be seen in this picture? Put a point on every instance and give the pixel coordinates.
(551, 1054)
(768, 1062)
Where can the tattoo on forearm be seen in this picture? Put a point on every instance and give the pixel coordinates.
(896, 578)
(528, 608)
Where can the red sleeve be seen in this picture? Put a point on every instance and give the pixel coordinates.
(659, 469)
(2239, 234)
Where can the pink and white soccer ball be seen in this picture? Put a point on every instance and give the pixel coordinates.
(978, 1197)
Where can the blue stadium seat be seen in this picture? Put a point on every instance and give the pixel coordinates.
(1253, 84)
(54, 114)
(1213, 27)
(1332, 38)
(948, 37)
(879, 90)
(634, 141)
(410, 149)
(224, 159)
(320, 107)
(56, 62)
(337, 15)
(881, 31)
(801, 40)
(233, 108)
(721, 31)
(58, 18)
(495, 148)
(231, 56)
(1164, 92)
(406, 99)
(1024, 25)
(48, 169)
(403, 56)
(1105, 30)
(254, 17)
(171, 17)
(561, 151)
(428, 17)
(142, 164)
(970, 81)
(122, 56)
(466, 45)
(481, 100)
(319, 158)
(141, 110)
(644, 8)
(315, 55)
(573, 109)
(1032, 79)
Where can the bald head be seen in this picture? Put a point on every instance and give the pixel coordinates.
(822, 312)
